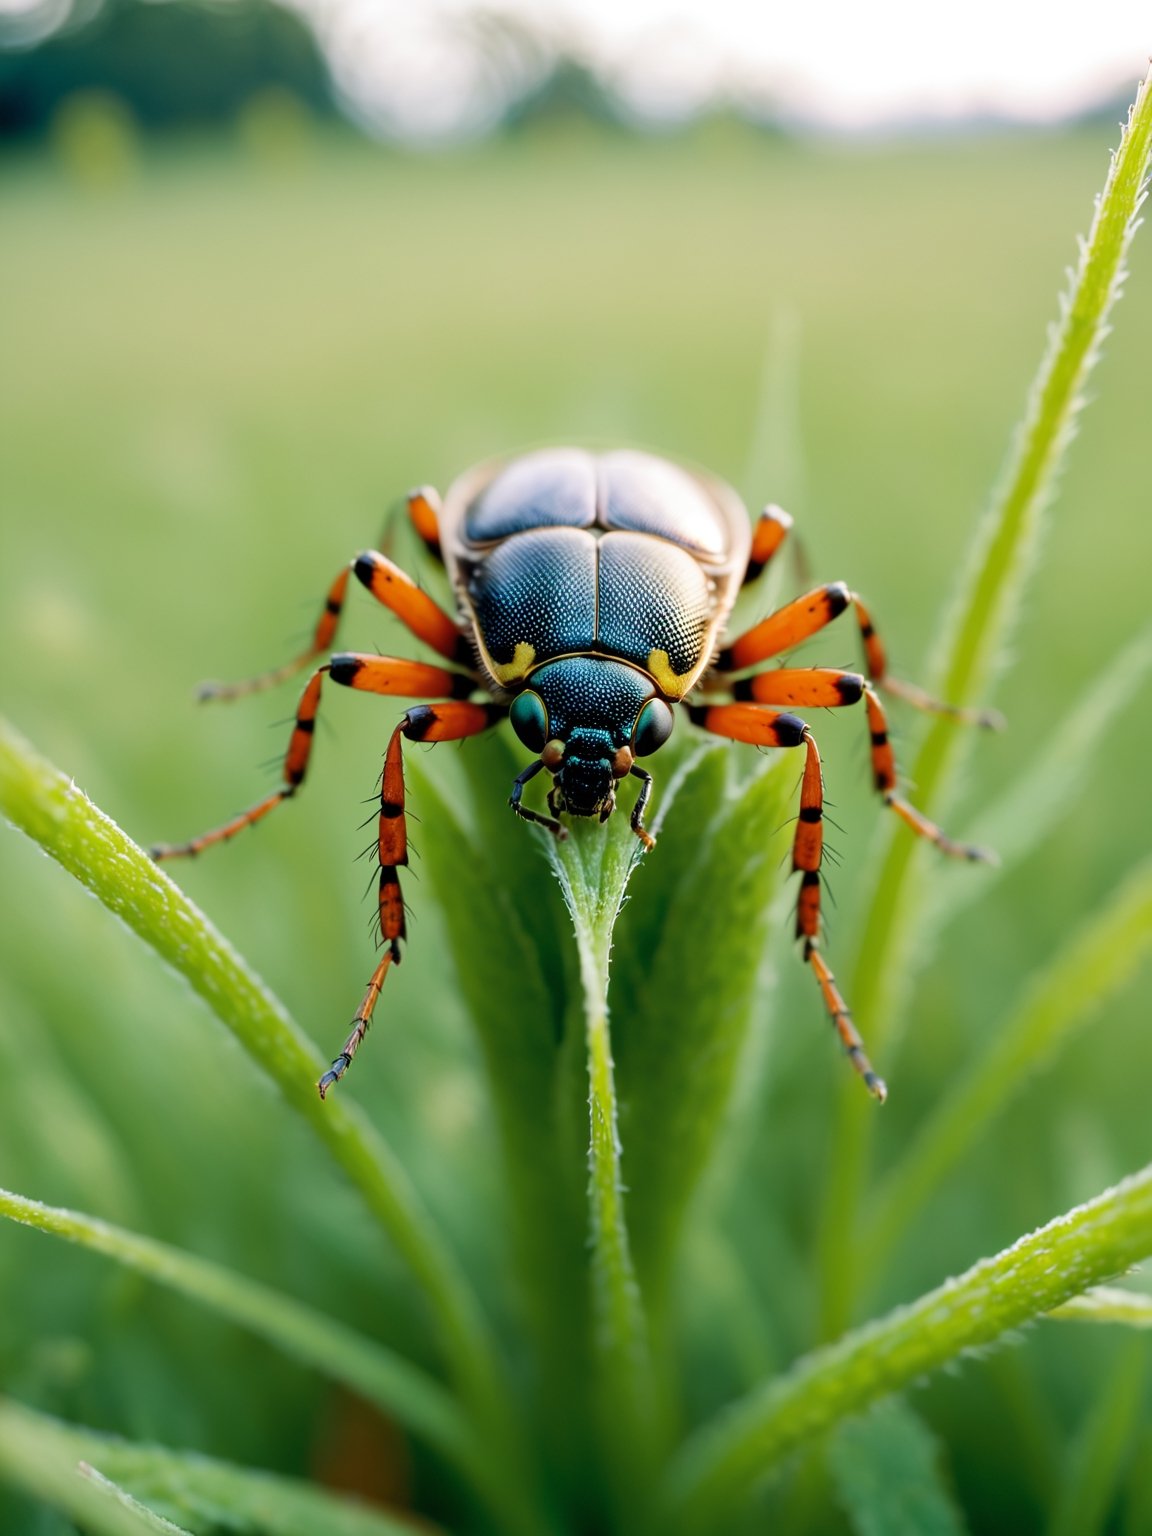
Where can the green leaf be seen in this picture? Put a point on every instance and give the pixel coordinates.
(51, 810)
(886, 1469)
(722, 1462)
(1104, 955)
(973, 646)
(206, 1496)
(338, 1352)
(688, 990)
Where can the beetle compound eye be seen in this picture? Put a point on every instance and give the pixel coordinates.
(653, 727)
(530, 720)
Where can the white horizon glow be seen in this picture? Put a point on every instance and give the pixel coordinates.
(414, 67)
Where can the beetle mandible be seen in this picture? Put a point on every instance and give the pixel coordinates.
(592, 593)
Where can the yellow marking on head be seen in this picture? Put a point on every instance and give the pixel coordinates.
(519, 666)
(674, 684)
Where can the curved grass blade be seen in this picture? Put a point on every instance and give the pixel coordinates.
(51, 810)
(1058, 776)
(989, 595)
(35, 1460)
(1104, 955)
(723, 1461)
(206, 1496)
(1108, 1304)
(151, 1521)
(375, 1373)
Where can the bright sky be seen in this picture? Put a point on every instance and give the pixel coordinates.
(414, 65)
(843, 62)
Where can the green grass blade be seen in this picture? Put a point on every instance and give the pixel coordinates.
(1088, 1486)
(1108, 1304)
(206, 1496)
(49, 808)
(1104, 955)
(886, 1469)
(593, 865)
(375, 1373)
(724, 1460)
(989, 596)
(1058, 777)
(37, 1461)
(151, 1521)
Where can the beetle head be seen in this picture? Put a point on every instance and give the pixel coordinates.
(590, 718)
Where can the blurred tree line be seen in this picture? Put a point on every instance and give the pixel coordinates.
(168, 65)
(176, 64)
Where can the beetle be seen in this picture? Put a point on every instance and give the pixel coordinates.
(593, 592)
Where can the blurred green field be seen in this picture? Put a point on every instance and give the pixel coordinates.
(217, 376)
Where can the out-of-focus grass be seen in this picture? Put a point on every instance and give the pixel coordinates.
(214, 382)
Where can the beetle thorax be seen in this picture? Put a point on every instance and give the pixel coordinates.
(582, 714)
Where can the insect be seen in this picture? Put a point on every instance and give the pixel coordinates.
(593, 593)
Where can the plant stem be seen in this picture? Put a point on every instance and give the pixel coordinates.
(46, 805)
(724, 1460)
(593, 865)
(988, 599)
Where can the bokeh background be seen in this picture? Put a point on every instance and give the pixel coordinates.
(252, 287)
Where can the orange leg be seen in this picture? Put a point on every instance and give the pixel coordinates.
(424, 512)
(427, 722)
(799, 620)
(772, 528)
(827, 687)
(390, 586)
(764, 727)
(375, 674)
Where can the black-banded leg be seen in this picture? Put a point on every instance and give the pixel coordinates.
(390, 586)
(772, 528)
(764, 727)
(375, 674)
(804, 617)
(885, 778)
(452, 721)
(830, 688)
